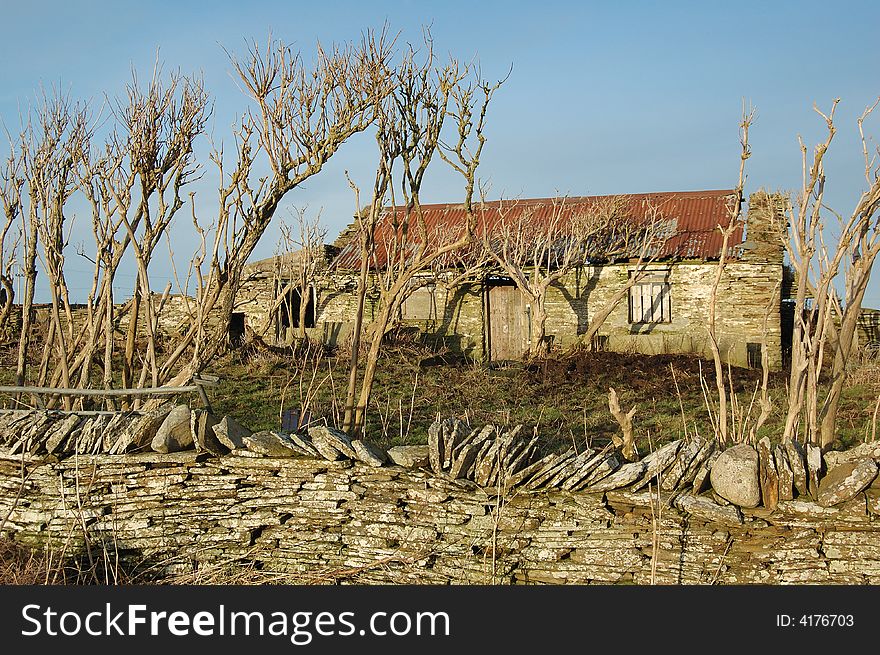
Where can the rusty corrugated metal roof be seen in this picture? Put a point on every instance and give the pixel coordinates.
(690, 222)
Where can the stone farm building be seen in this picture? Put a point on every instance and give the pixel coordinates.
(667, 310)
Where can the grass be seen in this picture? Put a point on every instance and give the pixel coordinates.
(565, 397)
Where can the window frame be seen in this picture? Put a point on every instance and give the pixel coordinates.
(655, 285)
(431, 289)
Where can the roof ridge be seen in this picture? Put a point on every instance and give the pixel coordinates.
(670, 194)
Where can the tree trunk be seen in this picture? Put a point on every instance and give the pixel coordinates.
(349, 419)
(539, 347)
(8, 297)
(845, 346)
(30, 267)
(379, 326)
(130, 341)
(304, 297)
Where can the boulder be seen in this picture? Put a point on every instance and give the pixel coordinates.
(846, 481)
(734, 476)
(175, 433)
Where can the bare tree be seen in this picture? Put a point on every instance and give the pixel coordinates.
(50, 166)
(638, 243)
(162, 122)
(132, 183)
(822, 319)
(396, 241)
(11, 184)
(734, 222)
(39, 180)
(537, 252)
(296, 267)
(303, 116)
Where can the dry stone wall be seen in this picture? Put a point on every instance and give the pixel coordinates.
(472, 506)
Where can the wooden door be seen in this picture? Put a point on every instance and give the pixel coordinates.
(507, 323)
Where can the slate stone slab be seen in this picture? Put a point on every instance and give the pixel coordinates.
(203, 423)
(703, 454)
(768, 476)
(622, 477)
(140, 432)
(844, 482)
(550, 469)
(436, 446)
(304, 444)
(586, 473)
(454, 433)
(336, 439)
(701, 477)
(786, 477)
(571, 468)
(56, 440)
(409, 456)
(708, 510)
(175, 433)
(606, 467)
(520, 455)
(231, 433)
(270, 444)
(869, 449)
(369, 453)
(686, 454)
(814, 469)
(798, 462)
(463, 464)
(657, 462)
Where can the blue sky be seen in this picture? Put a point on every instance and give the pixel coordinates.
(604, 97)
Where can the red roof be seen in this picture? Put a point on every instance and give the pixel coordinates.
(690, 221)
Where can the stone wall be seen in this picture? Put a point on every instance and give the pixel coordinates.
(747, 308)
(467, 508)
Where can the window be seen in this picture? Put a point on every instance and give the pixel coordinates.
(421, 305)
(649, 299)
